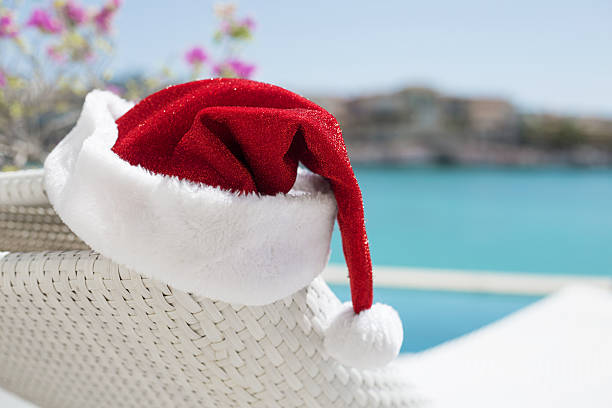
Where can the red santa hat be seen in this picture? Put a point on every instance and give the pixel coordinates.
(198, 185)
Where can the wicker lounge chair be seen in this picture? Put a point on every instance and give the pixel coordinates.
(78, 330)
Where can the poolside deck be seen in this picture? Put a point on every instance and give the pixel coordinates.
(468, 281)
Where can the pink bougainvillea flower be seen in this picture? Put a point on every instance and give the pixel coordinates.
(55, 54)
(2, 79)
(196, 55)
(234, 67)
(248, 23)
(74, 12)
(103, 18)
(44, 21)
(241, 68)
(8, 28)
(226, 27)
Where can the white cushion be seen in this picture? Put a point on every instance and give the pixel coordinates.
(554, 353)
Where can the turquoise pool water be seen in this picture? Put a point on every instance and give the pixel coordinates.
(517, 220)
(551, 221)
(430, 317)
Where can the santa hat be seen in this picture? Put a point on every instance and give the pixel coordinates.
(198, 186)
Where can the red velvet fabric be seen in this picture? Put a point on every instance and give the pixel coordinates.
(248, 136)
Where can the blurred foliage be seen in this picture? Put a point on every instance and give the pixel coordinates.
(555, 132)
(53, 53)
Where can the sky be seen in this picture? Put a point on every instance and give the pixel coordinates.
(544, 56)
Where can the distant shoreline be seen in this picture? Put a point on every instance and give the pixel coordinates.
(420, 125)
(526, 158)
(476, 166)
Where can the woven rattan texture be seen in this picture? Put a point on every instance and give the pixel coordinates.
(34, 228)
(23, 188)
(77, 330)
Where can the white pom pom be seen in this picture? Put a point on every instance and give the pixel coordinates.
(368, 340)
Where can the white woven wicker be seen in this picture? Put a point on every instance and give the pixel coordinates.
(77, 330)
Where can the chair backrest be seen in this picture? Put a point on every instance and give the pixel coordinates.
(78, 330)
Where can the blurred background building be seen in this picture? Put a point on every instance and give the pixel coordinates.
(420, 125)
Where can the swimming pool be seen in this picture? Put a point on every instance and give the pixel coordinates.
(548, 221)
(555, 221)
(433, 317)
